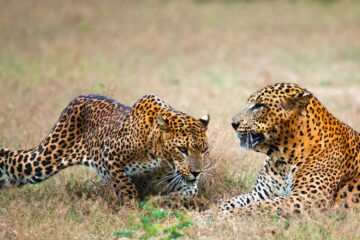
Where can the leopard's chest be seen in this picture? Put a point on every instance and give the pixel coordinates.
(286, 174)
(288, 183)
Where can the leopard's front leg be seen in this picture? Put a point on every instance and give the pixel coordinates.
(181, 195)
(123, 186)
(280, 205)
(305, 196)
(270, 183)
(114, 167)
(186, 192)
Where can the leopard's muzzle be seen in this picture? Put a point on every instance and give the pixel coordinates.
(250, 140)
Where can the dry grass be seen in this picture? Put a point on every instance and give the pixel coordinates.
(198, 56)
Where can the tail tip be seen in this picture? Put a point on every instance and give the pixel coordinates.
(4, 152)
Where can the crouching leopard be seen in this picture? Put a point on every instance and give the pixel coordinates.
(313, 159)
(120, 143)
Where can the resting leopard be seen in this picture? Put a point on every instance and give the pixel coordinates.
(313, 159)
(120, 143)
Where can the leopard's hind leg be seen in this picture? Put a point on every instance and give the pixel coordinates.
(349, 195)
(63, 147)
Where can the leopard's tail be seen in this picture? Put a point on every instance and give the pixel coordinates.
(7, 169)
(60, 149)
(4, 154)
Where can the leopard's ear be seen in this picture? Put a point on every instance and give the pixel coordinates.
(205, 120)
(163, 123)
(300, 102)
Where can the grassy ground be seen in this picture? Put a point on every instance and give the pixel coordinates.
(200, 56)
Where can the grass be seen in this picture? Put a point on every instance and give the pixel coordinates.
(199, 56)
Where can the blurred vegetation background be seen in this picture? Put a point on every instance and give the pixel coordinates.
(200, 56)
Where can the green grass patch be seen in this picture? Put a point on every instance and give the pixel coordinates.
(156, 223)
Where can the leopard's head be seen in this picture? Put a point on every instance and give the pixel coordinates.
(272, 116)
(174, 137)
(183, 143)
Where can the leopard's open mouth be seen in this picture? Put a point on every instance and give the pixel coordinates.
(249, 140)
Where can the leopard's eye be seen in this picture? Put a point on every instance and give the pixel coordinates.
(257, 106)
(183, 150)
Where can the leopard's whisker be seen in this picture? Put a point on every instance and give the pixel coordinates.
(205, 177)
(176, 182)
(172, 183)
(251, 139)
(247, 140)
(209, 164)
(209, 168)
(163, 179)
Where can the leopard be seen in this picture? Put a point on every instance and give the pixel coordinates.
(121, 143)
(312, 161)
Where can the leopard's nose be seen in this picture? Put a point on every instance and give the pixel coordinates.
(195, 174)
(235, 125)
